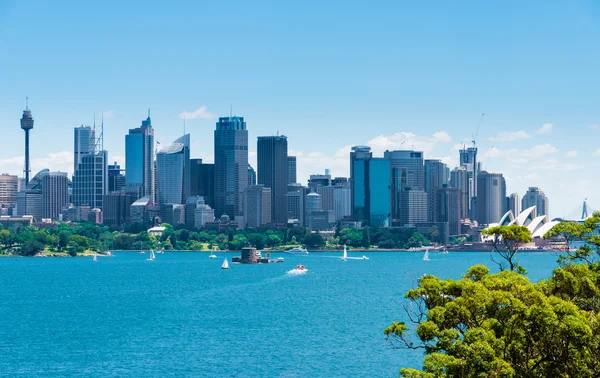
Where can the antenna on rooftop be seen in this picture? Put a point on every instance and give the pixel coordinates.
(27, 103)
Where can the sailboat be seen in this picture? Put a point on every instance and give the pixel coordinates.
(225, 264)
(345, 256)
(212, 255)
(445, 252)
(95, 257)
(426, 257)
(152, 257)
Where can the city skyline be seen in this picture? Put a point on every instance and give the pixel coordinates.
(539, 130)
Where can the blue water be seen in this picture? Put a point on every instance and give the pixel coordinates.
(181, 315)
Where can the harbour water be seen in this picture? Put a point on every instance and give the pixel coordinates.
(182, 315)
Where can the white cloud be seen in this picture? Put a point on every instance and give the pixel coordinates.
(597, 153)
(442, 137)
(509, 136)
(60, 161)
(539, 150)
(571, 154)
(200, 113)
(545, 129)
(108, 114)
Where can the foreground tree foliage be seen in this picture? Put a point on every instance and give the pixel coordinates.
(506, 241)
(503, 325)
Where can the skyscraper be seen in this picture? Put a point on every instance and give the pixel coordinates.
(202, 181)
(296, 203)
(90, 181)
(342, 201)
(231, 167)
(55, 194)
(491, 196)
(412, 204)
(29, 200)
(9, 186)
(371, 196)
(84, 143)
(459, 179)
(251, 176)
(291, 162)
(272, 173)
(448, 208)
(257, 206)
(173, 172)
(116, 179)
(27, 125)
(436, 177)
(468, 160)
(513, 204)
(536, 197)
(139, 158)
(407, 173)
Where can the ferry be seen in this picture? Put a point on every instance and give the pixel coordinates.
(297, 250)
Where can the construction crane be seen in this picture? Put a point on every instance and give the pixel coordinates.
(477, 131)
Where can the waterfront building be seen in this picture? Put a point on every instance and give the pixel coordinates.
(296, 196)
(117, 208)
(9, 186)
(536, 197)
(231, 167)
(291, 163)
(202, 181)
(436, 177)
(257, 206)
(491, 197)
(139, 158)
(272, 173)
(448, 209)
(314, 204)
(55, 194)
(412, 207)
(173, 172)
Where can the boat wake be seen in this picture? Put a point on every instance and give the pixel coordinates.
(296, 272)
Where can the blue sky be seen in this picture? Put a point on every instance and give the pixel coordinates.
(326, 74)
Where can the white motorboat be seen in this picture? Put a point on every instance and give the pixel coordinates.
(297, 250)
(364, 257)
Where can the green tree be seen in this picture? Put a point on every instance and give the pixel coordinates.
(257, 240)
(31, 248)
(5, 238)
(366, 239)
(501, 325)
(506, 241)
(314, 240)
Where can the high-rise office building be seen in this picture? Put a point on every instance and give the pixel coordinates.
(491, 197)
(231, 167)
(202, 181)
(272, 173)
(291, 163)
(436, 177)
(371, 194)
(55, 194)
(342, 201)
(116, 178)
(9, 186)
(536, 197)
(173, 172)
(84, 143)
(90, 181)
(27, 125)
(296, 203)
(29, 200)
(513, 203)
(117, 208)
(412, 205)
(407, 172)
(468, 160)
(448, 209)
(139, 158)
(251, 176)
(257, 206)
(459, 179)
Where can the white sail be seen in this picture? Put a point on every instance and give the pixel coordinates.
(345, 253)
(95, 258)
(426, 257)
(225, 264)
(152, 255)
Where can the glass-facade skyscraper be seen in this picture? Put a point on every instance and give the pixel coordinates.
(173, 172)
(90, 180)
(231, 167)
(273, 173)
(436, 177)
(84, 143)
(371, 187)
(491, 197)
(139, 158)
(202, 181)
